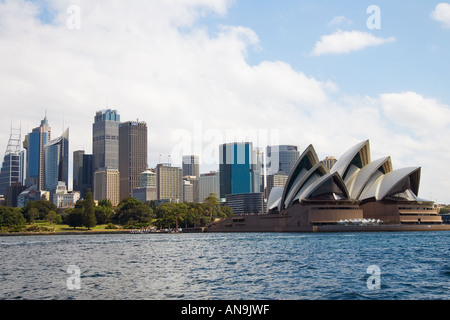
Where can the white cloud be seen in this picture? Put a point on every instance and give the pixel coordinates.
(151, 60)
(442, 14)
(412, 110)
(135, 57)
(347, 41)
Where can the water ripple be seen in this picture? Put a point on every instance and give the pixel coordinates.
(228, 266)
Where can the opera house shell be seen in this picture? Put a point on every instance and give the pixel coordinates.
(355, 194)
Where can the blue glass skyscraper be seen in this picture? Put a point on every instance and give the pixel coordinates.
(35, 165)
(281, 159)
(57, 162)
(238, 169)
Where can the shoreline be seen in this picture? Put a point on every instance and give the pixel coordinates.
(315, 229)
(68, 233)
(93, 232)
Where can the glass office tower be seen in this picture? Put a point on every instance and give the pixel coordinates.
(35, 165)
(281, 159)
(105, 139)
(57, 162)
(238, 169)
(191, 166)
(83, 172)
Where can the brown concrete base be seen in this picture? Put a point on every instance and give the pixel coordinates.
(291, 223)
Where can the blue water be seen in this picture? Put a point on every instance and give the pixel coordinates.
(331, 266)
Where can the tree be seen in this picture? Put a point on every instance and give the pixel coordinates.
(212, 202)
(32, 215)
(172, 215)
(104, 211)
(43, 207)
(225, 212)
(88, 214)
(133, 211)
(11, 218)
(74, 217)
(180, 213)
(51, 217)
(152, 204)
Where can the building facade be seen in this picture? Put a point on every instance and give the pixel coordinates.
(147, 190)
(57, 162)
(13, 166)
(148, 179)
(32, 194)
(188, 191)
(246, 203)
(105, 139)
(238, 169)
(132, 155)
(191, 166)
(209, 183)
(169, 182)
(281, 159)
(77, 169)
(11, 170)
(34, 144)
(64, 199)
(83, 172)
(329, 162)
(107, 185)
(275, 180)
(145, 194)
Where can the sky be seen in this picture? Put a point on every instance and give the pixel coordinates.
(205, 72)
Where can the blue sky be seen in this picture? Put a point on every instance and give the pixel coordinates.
(289, 29)
(200, 71)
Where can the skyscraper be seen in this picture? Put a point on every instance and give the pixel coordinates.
(107, 186)
(12, 170)
(83, 172)
(57, 162)
(281, 159)
(329, 162)
(238, 169)
(147, 190)
(209, 183)
(105, 139)
(132, 155)
(77, 169)
(169, 182)
(35, 165)
(191, 166)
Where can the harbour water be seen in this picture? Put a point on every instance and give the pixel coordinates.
(259, 266)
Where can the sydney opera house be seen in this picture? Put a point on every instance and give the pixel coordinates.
(355, 194)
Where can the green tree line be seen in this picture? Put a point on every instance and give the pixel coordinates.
(130, 213)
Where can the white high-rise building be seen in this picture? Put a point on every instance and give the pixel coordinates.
(209, 183)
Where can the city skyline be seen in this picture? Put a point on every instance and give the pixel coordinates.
(299, 72)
